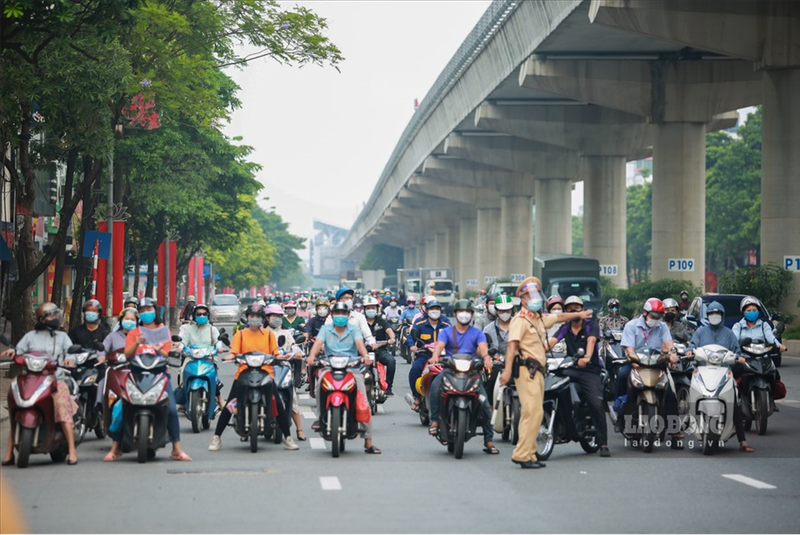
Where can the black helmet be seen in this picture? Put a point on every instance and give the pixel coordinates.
(147, 302)
(339, 306)
(199, 306)
(255, 310)
(93, 303)
(463, 304)
(134, 300)
(491, 297)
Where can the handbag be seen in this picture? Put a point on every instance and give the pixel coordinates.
(363, 411)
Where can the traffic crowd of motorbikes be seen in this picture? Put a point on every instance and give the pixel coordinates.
(539, 373)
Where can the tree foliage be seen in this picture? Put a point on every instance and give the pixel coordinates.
(287, 270)
(770, 283)
(632, 299)
(383, 256)
(640, 229)
(248, 261)
(577, 235)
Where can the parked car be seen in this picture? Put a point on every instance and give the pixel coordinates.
(696, 315)
(225, 309)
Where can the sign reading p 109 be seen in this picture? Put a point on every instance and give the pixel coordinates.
(681, 264)
(791, 263)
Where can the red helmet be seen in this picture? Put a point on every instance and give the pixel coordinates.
(290, 304)
(655, 307)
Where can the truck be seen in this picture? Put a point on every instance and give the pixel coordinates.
(442, 278)
(408, 280)
(567, 275)
(351, 279)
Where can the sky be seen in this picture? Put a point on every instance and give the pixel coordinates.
(323, 137)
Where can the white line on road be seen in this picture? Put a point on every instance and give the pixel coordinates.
(317, 443)
(381, 410)
(749, 481)
(303, 396)
(789, 401)
(330, 483)
(308, 415)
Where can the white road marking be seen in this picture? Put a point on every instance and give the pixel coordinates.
(317, 443)
(381, 410)
(308, 415)
(789, 402)
(330, 483)
(749, 481)
(303, 396)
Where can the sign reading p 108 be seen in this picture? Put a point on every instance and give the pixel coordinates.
(609, 270)
(681, 264)
(791, 263)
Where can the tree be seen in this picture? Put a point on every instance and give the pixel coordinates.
(577, 235)
(640, 227)
(287, 269)
(383, 256)
(248, 262)
(770, 283)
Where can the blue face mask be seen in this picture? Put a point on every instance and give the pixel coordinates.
(128, 325)
(201, 320)
(534, 305)
(90, 317)
(340, 321)
(751, 316)
(148, 317)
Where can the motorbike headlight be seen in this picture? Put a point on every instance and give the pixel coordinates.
(35, 364)
(560, 347)
(617, 335)
(199, 352)
(255, 361)
(339, 362)
(716, 357)
(134, 394)
(80, 358)
(662, 381)
(635, 379)
(287, 381)
(462, 365)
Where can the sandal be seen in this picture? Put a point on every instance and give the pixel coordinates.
(491, 450)
(433, 430)
(373, 450)
(746, 449)
(316, 425)
(303, 438)
(182, 457)
(9, 462)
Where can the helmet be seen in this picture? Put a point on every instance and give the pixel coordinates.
(491, 297)
(684, 292)
(613, 302)
(343, 291)
(146, 302)
(126, 310)
(462, 304)
(254, 310)
(286, 298)
(302, 299)
(321, 302)
(93, 303)
(258, 296)
(481, 292)
(370, 301)
(431, 302)
(573, 300)
(198, 307)
(411, 299)
(191, 298)
(339, 307)
(670, 303)
(133, 300)
(273, 310)
(503, 302)
(554, 300)
(423, 300)
(46, 308)
(747, 301)
(290, 304)
(655, 307)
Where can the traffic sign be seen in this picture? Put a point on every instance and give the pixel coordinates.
(680, 264)
(609, 270)
(791, 263)
(472, 283)
(517, 277)
(489, 279)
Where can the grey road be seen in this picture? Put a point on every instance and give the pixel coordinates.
(415, 486)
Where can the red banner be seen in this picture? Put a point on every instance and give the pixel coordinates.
(190, 288)
(102, 278)
(173, 279)
(200, 281)
(118, 254)
(162, 273)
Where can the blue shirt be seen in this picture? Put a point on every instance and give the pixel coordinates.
(467, 342)
(721, 335)
(427, 333)
(759, 332)
(639, 336)
(408, 314)
(344, 345)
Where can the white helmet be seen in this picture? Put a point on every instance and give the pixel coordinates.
(370, 301)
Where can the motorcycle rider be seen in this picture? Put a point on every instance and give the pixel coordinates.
(685, 302)
(411, 310)
(584, 334)
(345, 296)
(527, 337)
(149, 319)
(716, 333)
(254, 338)
(482, 320)
(321, 308)
(497, 334)
(392, 311)
(463, 338)
(382, 331)
(131, 302)
(555, 305)
(186, 313)
(275, 320)
(93, 330)
(343, 337)
(303, 310)
(677, 329)
(291, 320)
(423, 310)
(613, 319)
(428, 329)
(200, 332)
(645, 332)
(47, 338)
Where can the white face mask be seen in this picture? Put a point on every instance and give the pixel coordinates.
(492, 310)
(715, 319)
(370, 313)
(504, 316)
(434, 314)
(322, 312)
(464, 317)
(651, 322)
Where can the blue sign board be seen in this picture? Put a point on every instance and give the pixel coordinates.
(206, 271)
(91, 236)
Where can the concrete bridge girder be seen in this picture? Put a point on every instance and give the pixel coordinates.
(477, 175)
(511, 153)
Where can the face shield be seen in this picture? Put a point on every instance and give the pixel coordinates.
(533, 297)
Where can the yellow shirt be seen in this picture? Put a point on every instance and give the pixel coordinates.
(530, 330)
(246, 341)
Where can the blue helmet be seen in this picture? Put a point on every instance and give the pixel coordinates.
(432, 303)
(343, 291)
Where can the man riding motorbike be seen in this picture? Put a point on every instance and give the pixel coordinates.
(497, 334)
(613, 319)
(94, 329)
(482, 320)
(677, 329)
(423, 332)
(392, 311)
(382, 332)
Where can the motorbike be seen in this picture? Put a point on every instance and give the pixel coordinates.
(613, 359)
(394, 324)
(648, 383)
(567, 417)
(712, 397)
(254, 405)
(298, 367)
(461, 406)
(374, 380)
(31, 410)
(200, 382)
(145, 403)
(756, 384)
(284, 383)
(405, 352)
(681, 378)
(86, 374)
(337, 401)
(507, 409)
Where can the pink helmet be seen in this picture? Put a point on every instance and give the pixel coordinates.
(274, 309)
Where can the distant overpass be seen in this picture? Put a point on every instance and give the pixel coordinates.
(545, 93)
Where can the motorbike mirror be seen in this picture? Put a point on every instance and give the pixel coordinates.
(176, 338)
(99, 346)
(299, 338)
(281, 340)
(75, 348)
(4, 338)
(222, 331)
(746, 342)
(775, 317)
(691, 319)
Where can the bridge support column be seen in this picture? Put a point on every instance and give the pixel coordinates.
(604, 214)
(440, 240)
(467, 253)
(516, 235)
(409, 257)
(780, 173)
(421, 253)
(430, 251)
(452, 257)
(679, 202)
(553, 216)
(488, 244)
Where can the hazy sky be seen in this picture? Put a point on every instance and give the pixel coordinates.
(324, 137)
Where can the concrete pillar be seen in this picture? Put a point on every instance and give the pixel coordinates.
(780, 173)
(516, 235)
(467, 253)
(430, 252)
(453, 259)
(604, 214)
(409, 257)
(553, 216)
(679, 202)
(488, 244)
(421, 254)
(440, 241)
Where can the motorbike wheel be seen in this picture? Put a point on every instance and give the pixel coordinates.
(762, 411)
(545, 441)
(336, 424)
(461, 433)
(143, 438)
(373, 401)
(25, 447)
(81, 425)
(683, 401)
(194, 406)
(710, 441)
(58, 456)
(277, 436)
(424, 417)
(650, 436)
(516, 413)
(254, 427)
(100, 430)
(206, 423)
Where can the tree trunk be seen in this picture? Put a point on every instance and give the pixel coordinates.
(152, 250)
(58, 276)
(82, 271)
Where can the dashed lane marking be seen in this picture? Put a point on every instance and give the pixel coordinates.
(317, 443)
(381, 410)
(308, 415)
(749, 481)
(330, 483)
(303, 396)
